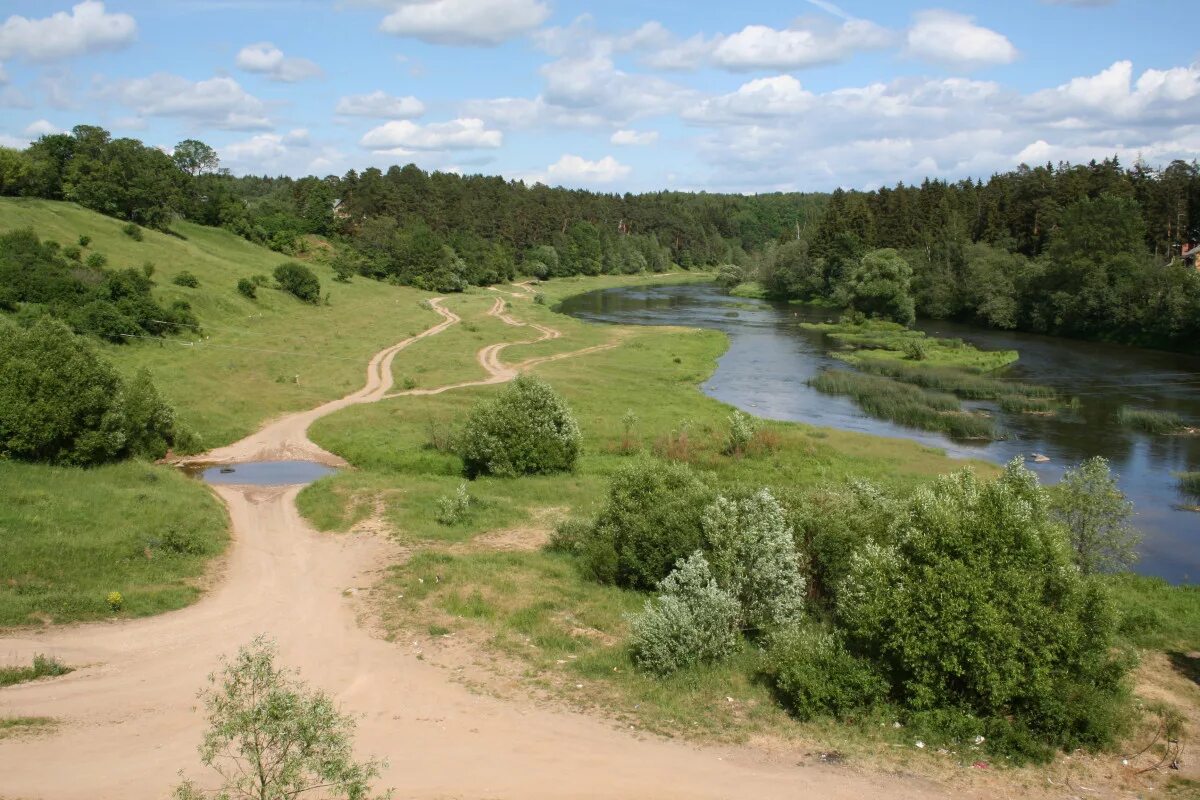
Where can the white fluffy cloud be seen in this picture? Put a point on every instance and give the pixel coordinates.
(380, 104)
(41, 128)
(761, 47)
(465, 133)
(218, 102)
(638, 138)
(88, 28)
(578, 170)
(946, 37)
(1157, 97)
(265, 58)
(464, 22)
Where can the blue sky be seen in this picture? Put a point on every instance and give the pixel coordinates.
(622, 96)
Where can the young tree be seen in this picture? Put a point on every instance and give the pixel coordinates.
(271, 737)
(1096, 515)
(880, 287)
(195, 157)
(298, 280)
(528, 430)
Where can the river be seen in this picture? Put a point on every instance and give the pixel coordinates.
(770, 359)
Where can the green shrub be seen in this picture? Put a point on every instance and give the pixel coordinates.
(814, 675)
(539, 299)
(114, 600)
(299, 281)
(73, 253)
(96, 261)
(185, 542)
(730, 275)
(452, 509)
(742, 428)
(915, 350)
(1096, 515)
(247, 288)
(84, 240)
(753, 556)
(650, 519)
(831, 524)
(187, 279)
(693, 621)
(60, 402)
(527, 430)
(132, 230)
(976, 606)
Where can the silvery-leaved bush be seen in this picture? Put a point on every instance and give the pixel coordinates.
(693, 621)
(752, 549)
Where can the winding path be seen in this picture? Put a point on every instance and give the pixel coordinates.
(129, 722)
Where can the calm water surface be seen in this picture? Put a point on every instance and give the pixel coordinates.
(770, 358)
(265, 473)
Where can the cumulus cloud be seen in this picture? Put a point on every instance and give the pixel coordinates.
(88, 28)
(265, 58)
(41, 128)
(779, 96)
(218, 102)
(532, 113)
(576, 169)
(465, 133)
(946, 37)
(380, 104)
(638, 138)
(1157, 97)
(465, 22)
(806, 45)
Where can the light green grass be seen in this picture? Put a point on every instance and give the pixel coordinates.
(751, 289)
(43, 666)
(1150, 420)
(68, 537)
(12, 727)
(889, 340)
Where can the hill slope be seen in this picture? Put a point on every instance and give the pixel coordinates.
(253, 359)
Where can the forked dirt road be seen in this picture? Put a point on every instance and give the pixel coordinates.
(128, 722)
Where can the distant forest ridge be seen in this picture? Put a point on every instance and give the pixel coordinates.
(1072, 249)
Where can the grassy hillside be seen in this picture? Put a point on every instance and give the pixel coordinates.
(255, 358)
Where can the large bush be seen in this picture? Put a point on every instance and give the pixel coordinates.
(61, 403)
(976, 606)
(753, 555)
(832, 523)
(650, 520)
(693, 621)
(527, 430)
(814, 675)
(298, 280)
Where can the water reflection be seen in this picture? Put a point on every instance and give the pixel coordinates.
(770, 358)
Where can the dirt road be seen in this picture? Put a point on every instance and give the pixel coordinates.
(128, 718)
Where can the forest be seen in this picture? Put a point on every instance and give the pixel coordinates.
(1090, 251)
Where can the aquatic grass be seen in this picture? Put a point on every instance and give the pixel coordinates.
(43, 667)
(965, 384)
(1149, 420)
(905, 404)
(1020, 404)
(894, 342)
(1189, 482)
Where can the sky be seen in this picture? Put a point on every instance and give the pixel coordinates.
(747, 96)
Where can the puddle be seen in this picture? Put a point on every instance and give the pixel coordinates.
(262, 473)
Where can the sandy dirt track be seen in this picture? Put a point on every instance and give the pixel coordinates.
(128, 718)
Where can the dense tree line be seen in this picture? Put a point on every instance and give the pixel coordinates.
(1089, 251)
(437, 230)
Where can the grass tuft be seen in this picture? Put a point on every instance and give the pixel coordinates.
(1150, 421)
(43, 667)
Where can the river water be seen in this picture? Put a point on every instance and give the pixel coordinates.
(770, 358)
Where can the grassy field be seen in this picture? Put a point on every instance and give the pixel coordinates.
(68, 537)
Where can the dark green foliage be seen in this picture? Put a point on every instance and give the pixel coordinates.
(527, 430)
(247, 288)
(111, 304)
(61, 403)
(651, 518)
(84, 240)
(975, 606)
(133, 231)
(879, 286)
(814, 675)
(299, 281)
(187, 279)
(96, 261)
